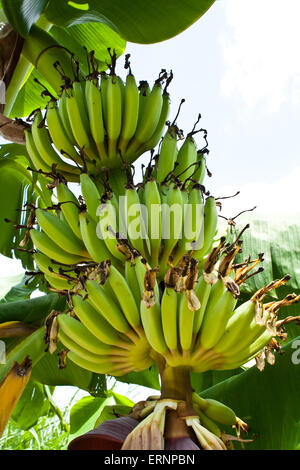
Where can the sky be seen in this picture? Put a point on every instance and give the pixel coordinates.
(238, 66)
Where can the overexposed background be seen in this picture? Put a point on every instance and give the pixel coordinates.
(239, 67)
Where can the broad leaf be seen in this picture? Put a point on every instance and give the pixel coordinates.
(32, 405)
(17, 288)
(32, 311)
(47, 372)
(22, 14)
(17, 182)
(279, 241)
(268, 401)
(207, 379)
(147, 378)
(135, 20)
(85, 413)
(112, 412)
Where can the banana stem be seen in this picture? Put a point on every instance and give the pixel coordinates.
(56, 409)
(176, 383)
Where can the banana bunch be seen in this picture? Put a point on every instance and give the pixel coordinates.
(98, 123)
(102, 330)
(158, 222)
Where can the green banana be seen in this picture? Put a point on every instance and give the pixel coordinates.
(130, 113)
(59, 231)
(44, 147)
(58, 133)
(90, 194)
(70, 207)
(236, 327)
(125, 297)
(47, 266)
(94, 105)
(186, 324)
(106, 306)
(148, 120)
(114, 114)
(34, 155)
(202, 291)
(95, 322)
(95, 246)
(152, 202)
(79, 120)
(172, 220)
(107, 228)
(215, 410)
(59, 284)
(193, 222)
(168, 154)
(215, 320)
(64, 117)
(136, 228)
(169, 318)
(100, 368)
(79, 334)
(132, 281)
(151, 320)
(210, 226)
(153, 141)
(186, 158)
(45, 244)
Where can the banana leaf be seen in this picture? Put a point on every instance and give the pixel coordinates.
(135, 20)
(18, 187)
(279, 241)
(31, 406)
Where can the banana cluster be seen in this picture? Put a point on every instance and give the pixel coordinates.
(155, 220)
(98, 123)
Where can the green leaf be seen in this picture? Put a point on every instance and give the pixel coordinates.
(84, 415)
(121, 399)
(20, 289)
(22, 14)
(17, 182)
(207, 379)
(147, 378)
(112, 412)
(32, 405)
(135, 20)
(268, 401)
(7, 284)
(48, 373)
(32, 311)
(279, 241)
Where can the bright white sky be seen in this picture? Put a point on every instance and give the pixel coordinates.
(239, 67)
